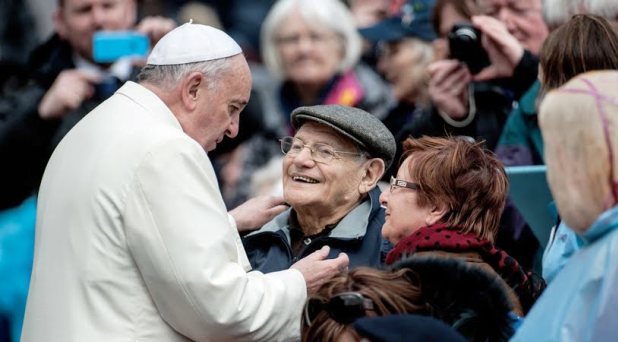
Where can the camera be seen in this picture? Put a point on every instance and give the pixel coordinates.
(464, 42)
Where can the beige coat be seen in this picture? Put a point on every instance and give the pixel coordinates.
(134, 243)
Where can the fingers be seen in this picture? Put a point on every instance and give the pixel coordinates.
(438, 70)
(155, 27)
(276, 210)
(486, 74)
(496, 36)
(451, 77)
(341, 262)
(69, 90)
(320, 254)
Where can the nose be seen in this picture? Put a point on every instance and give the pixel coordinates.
(305, 44)
(382, 63)
(384, 198)
(304, 158)
(232, 130)
(506, 16)
(99, 16)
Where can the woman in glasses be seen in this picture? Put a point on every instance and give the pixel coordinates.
(330, 171)
(446, 200)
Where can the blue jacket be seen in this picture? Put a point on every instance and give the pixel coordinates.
(358, 235)
(581, 303)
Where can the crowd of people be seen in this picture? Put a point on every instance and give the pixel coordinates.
(316, 170)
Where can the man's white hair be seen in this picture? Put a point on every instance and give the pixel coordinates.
(557, 12)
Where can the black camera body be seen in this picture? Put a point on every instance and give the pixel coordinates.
(464, 42)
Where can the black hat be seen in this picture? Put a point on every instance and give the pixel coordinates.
(363, 128)
(406, 328)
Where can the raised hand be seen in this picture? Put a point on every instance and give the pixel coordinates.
(448, 87)
(502, 47)
(70, 89)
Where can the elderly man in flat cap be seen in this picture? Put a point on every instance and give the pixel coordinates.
(133, 241)
(330, 171)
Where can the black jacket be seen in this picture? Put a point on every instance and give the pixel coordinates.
(26, 140)
(269, 248)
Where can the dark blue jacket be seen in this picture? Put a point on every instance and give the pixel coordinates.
(358, 235)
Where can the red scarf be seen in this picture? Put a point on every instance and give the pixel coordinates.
(440, 237)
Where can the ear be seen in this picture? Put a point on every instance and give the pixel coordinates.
(373, 171)
(192, 89)
(59, 24)
(436, 214)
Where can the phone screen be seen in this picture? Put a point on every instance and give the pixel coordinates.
(109, 46)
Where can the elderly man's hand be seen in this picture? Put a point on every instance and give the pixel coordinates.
(448, 87)
(317, 269)
(503, 49)
(255, 212)
(69, 90)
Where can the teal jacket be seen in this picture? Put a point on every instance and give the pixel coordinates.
(520, 142)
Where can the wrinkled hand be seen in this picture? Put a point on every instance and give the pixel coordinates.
(70, 89)
(448, 87)
(503, 49)
(255, 212)
(317, 269)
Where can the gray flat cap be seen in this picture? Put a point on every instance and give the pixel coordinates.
(363, 128)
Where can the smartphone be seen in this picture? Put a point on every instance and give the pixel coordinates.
(109, 46)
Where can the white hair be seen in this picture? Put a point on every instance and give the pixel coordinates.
(332, 14)
(557, 12)
(167, 76)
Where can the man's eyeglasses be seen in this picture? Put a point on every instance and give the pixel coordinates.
(400, 183)
(320, 153)
(344, 308)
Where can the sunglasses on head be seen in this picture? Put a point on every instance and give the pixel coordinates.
(344, 308)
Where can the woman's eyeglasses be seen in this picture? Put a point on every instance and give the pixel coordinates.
(344, 308)
(400, 183)
(320, 153)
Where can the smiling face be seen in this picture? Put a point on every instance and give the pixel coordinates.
(328, 189)
(403, 64)
(77, 21)
(217, 112)
(310, 53)
(403, 214)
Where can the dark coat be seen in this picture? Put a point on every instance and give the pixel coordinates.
(269, 248)
(27, 140)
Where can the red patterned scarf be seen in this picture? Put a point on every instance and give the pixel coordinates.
(440, 237)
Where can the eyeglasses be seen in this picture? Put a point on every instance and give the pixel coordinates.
(344, 307)
(400, 183)
(320, 153)
(295, 39)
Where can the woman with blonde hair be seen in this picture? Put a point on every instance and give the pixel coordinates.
(579, 122)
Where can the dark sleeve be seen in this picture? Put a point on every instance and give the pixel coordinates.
(25, 141)
(525, 74)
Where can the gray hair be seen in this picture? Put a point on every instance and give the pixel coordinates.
(557, 12)
(329, 13)
(167, 76)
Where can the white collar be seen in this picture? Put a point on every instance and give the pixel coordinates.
(121, 68)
